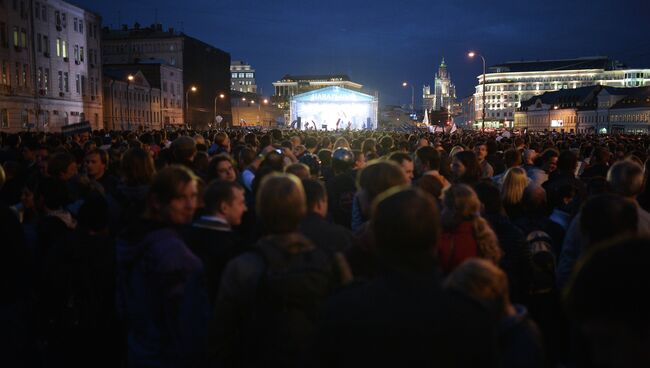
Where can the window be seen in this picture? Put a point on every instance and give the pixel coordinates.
(83, 85)
(63, 21)
(81, 26)
(46, 45)
(4, 118)
(60, 81)
(17, 73)
(77, 83)
(4, 74)
(74, 22)
(76, 52)
(3, 35)
(64, 49)
(23, 38)
(249, 75)
(39, 78)
(24, 75)
(58, 47)
(15, 36)
(46, 80)
(81, 54)
(234, 75)
(65, 81)
(57, 18)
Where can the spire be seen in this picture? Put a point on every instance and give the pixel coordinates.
(442, 64)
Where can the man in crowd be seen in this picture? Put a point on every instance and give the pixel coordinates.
(405, 161)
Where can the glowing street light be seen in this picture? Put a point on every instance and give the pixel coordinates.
(219, 96)
(472, 54)
(193, 89)
(404, 84)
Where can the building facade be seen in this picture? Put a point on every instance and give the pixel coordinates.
(204, 67)
(508, 85)
(50, 69)
(444, 92)
(168, 79)
(131, 101)
(242, 77)
(588, 109)
(290, 86)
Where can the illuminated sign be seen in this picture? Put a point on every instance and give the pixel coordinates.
(557, 123)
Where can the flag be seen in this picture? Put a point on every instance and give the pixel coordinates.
(425, 121)
(453, 128)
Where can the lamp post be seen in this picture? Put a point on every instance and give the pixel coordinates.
(221, 96)
(412, 95)
(129, 79)
(187, 103)
(472, 54)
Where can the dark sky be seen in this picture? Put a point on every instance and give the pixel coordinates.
(381, 43)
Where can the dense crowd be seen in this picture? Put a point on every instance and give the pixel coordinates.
(251, 248)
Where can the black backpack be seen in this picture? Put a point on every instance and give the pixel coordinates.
(290, 295)
(543, 262)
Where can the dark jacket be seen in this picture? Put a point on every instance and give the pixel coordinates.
(520, 341)
(161, 298)
(215, 244)
(403, 319)
(340, 191)
(324, 234)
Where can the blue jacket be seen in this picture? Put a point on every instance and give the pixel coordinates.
(162, 299)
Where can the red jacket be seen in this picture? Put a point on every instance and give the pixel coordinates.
(456, 246)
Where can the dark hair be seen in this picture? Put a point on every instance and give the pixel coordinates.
(406, 226)
(311, 142)
(137, 167)
(58, 163)
(472, 172)
(429, 156)
(218, 192)
(607, 216)
(168, 181)
(512, 158)
(314, 192)
(214, 163)
(567, 162)
(626, 178)
(53, 192)
(400, 157)
(490, 197)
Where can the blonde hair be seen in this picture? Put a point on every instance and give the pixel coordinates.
(462, 204)
(455, 150)
(281, 203)
(483, 281)
(341, 142)
(514, 184)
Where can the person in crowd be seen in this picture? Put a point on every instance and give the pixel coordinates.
(511, 158)
(405, 161)
(608, 311)
(341, 187)
(481, 151)
(182, 151)
(161, 298)
(269, 298)
(512, 192)
(298, 169)
(211, 236)
(607, 216)
(465, 168)
(427, 162)
(598, 164)
(519, 339)
(543, 165)
(96, 165)
(567, 164)
(404, 316)
(465, 233)
(221, 168)
(315, 227)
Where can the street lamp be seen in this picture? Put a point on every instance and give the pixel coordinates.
(129, 79)
(412, 95)
(187, 103)
(472, 54)
(220, 96)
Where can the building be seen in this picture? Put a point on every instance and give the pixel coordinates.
(204, 67)
(290, 86)
(594, 108)
(242, 77)
(511, 83)
(130, 101)
(251, 109)
(50, 71)
(467, 114)
(333, 108)
(168, 79)
(444, 92)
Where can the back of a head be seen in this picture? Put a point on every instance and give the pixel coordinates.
(626, 178)
(607, 216)
(429, 156)
(217, 193)
(314, 192)
(137, 167)
(380, 176)
(490, 197)
(58, 163)
(514, 184)
(400, 157)
(512, 158)
(183, 149)
(281, 203)
(460, 204)
(608, 294)
(534, 200)
(567, 161)
(406, 224)
(431, 184)
(484, 281)
(53, 192)
(298, 169)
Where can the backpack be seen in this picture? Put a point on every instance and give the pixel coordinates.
(543, 262)
(290, 294)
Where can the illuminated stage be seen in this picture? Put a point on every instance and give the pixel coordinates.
(334, 108)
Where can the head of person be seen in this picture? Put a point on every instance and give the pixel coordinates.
(460, 203)
(62, 166)
(567, 162)
(341, 142)
(172, 197)
(430, 184)
(607, 216)
(52, 194)
(311, 144)
(405, 223)
(225, 199)
(342, 160)
(298, 169)
(222, 140)
(547, 160)
(376, 178)
(325, 157)
(221, 167)
(481, 151)
(426, 159)
(96, 162)
(534, 201)
(490, 197)
(465, 167)
(359, 159)
(601, 155)
(280, 203)
(514, 184)
(405, 161)
(313, 163)
(485, 282)
(369, 145)
(137, 167)
(316, 196)
(512, 158)
(626, 178)
(183, 149)
(608, 307)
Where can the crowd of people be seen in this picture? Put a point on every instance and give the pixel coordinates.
(288, 248)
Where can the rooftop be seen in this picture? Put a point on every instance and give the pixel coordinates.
(596, 62)
(308, 78)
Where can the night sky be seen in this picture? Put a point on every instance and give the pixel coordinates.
(381, 43)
